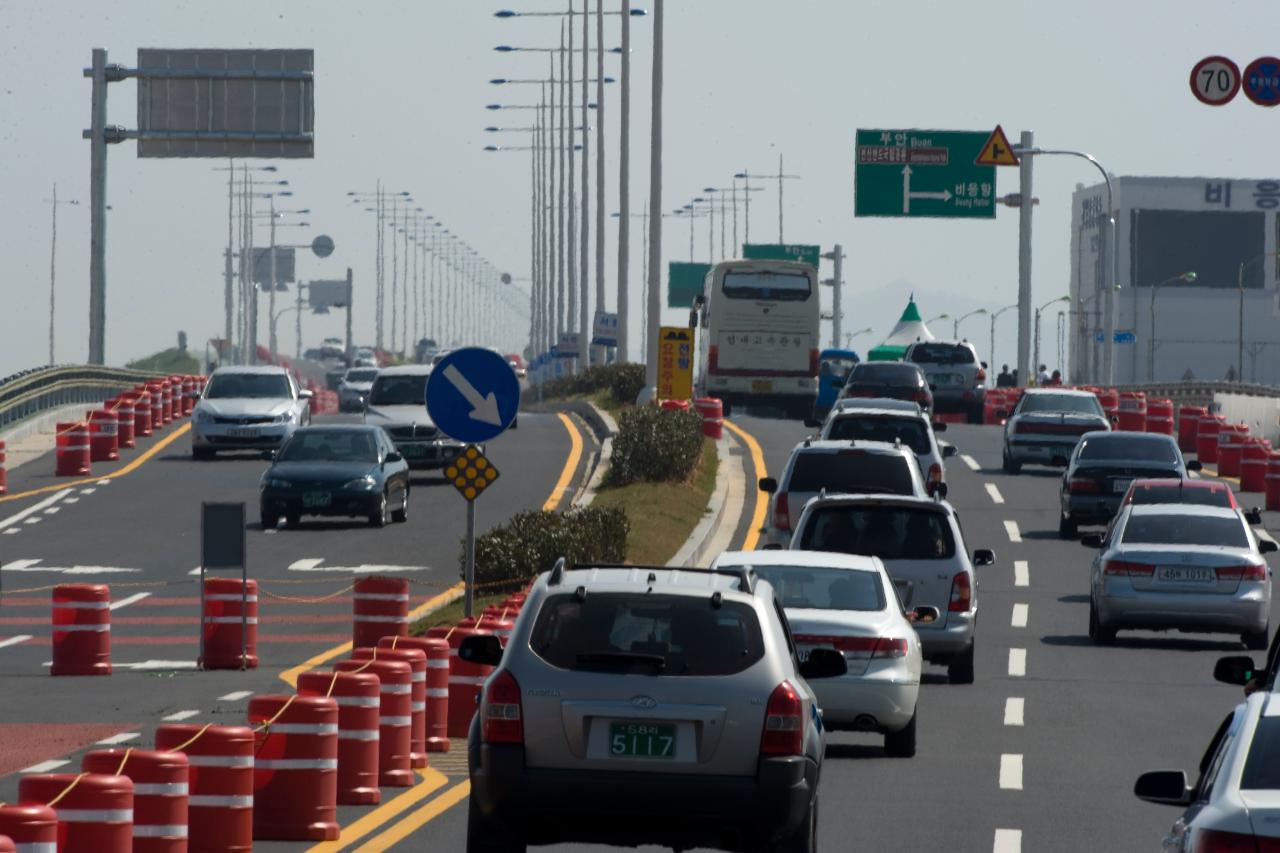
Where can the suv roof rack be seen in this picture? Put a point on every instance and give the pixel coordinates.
(744, 574)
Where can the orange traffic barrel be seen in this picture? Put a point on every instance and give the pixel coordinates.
(295, 769)
(395, 718)
(104, 438)
(142, 412)
(157, 405)
(1133, 410)
(1253, 465)
(123, 407)
(465, 679)
(33, 826)
(95, 810)
(230, 632)
(166, 401)
(72, 449)
(1273, 481)
(356, 694)
(160, 791)
(417, 660)
(1207, 438)
(437, 687)
(678, 405)
(1231, 441)
(380, 608)
(1109, 399)
(1189, 418)
(1160, 416)
(81, 629)
(220, 803)
(188, 394)
(712, 411)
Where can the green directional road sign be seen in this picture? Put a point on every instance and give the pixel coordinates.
(922, 173)
(782, 252)
(684, 282)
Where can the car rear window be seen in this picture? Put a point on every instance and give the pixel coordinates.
(851, 472)
(940, 354)
(1165, 494)
(330, 445)
(1262, 766)
(1128, 448)
(647, 634)
(1068, 403)
(902, 374)
(887, 532)
(819, 588)
(1183, 529)
(910, 431)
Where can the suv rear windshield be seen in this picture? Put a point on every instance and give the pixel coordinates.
(941, 354)
(782, 286)
(647, 634)
(1262, 767)
(911, 431)
(851, 472)
(227, 386)
(895, 373)
(406, 389)
(1060, 403)
(1184, 529)
(824, 589)
(887, 532)
(1128, 448)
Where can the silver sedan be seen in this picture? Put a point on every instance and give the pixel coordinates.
(1180, 567)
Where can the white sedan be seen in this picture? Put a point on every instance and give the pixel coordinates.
(849, 603)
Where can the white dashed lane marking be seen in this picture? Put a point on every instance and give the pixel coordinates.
(1008, 841)
(1021, 573)
(1015, 535)
(88, 491)
(123, 737)
(236, 696)
(16, 640)
(132, 599)
(1013, 708)
(179, 716)
(1019, 618)
(994, 492)
(1017, 663)
(47, 766)
(18, 517)
(971, 462)
(1011, 772)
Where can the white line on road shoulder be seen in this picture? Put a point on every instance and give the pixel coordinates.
(1019, 618)
(1011, 772)
(1015, 535)
(306, 564)
(971, 462)
(34, 508)
(132, 599)
(179, 716)
(46, 766)
(88, 491)
(123, 737)
(1017, 663)
(1008, 841)
(994, 492)
(1021, 573)
(52, 510)
(13, 641)
(1013, 707)
(236, 696)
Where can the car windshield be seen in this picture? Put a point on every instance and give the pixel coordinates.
(225, 386)
(781, 286)
(836, 366)
(941, 354)
(1128, 448)
(647, 634)
(1185, 529)
(361, 375)
(817, 588)
(329, 445)
(1068, 403)
(1173, 494)
(911, 431)
(406, 389)
(894, 374)
(1262, 766)
(851, 472)
(887, 532)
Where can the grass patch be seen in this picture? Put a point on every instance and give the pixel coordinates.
(662, 515)
(170, 361)
(452, 612)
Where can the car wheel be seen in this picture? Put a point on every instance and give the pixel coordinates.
(484, 837)
(1099, 633)
(960, 670)
(1067, 527)
(401, 515)
(902, 744)
(1010, 466)
(293, 520)
(1255, 640)
(804, 838)
(975, 415)
(378, 518)
(201, 454)
(269, 520)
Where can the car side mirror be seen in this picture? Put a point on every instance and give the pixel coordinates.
(768, 484)
(1114, 419)
(1194, 465)
(984, 557)
(1235, 669)
(484, 649)
(1253, 515)
(1166, 787)
(812, 423)
(394, 456)
(1003, 414)
(306, 394)
(1091, 540)
(822, 663)
(939, 491)
(192, 395)
(1267, 546)
(939, 426)
(984, 364)
(925, 613)
(949, 450)
(693, 319)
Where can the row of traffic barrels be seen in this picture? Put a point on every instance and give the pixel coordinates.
(1230, 446)
(1128, 410)
(710, 409)
(120, 421)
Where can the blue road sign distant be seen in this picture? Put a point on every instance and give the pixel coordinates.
(1120, 337)
(473, 394)
(1262, 81)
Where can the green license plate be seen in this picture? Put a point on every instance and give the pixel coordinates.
(414, 450)
(642, 740)
(316, 499)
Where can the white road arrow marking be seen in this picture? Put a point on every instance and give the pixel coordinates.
(34, 566)
(907, 194)
(483, 408)
(312, 564)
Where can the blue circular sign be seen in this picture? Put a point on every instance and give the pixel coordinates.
(473, 394)
(1261, 81)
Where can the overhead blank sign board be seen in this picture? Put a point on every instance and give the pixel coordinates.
(328, 294)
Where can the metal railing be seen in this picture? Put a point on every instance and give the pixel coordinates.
(43, 389)
(1195, 392)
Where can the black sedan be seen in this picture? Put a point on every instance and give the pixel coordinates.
(893, 379)
(348, 470)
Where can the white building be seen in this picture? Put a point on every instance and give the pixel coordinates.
(1222, 230)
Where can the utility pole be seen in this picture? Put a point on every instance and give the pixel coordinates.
(53, 265)
(98, 209)
(601, 305)
(584, 304)
(836, 256)
(228, 297)
(1024, 261)
(624, 178)
(654, 295)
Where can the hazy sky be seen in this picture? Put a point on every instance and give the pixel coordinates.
(400, 95)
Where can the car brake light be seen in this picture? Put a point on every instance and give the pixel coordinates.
(961, 593)
(981, 377)
(713, 358)
(1125, 568)
(1081, 485)
(1246, 572)
(782, 512)
(934, 478)
(1218, 841)
(503, 721)
(783, 723)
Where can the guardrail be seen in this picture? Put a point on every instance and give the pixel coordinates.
(1194, 392)
(32, 392)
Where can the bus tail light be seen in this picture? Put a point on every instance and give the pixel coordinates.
(813, 362)
(713, 359)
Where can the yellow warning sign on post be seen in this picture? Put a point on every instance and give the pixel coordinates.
(675, 363)
(997, 151)
(471, 473)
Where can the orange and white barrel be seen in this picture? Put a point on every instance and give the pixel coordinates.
(295, 770)
(142, 412)
(81, 629)
(395, 717)
(104, 438)
(220, 802)
(1133, 410)
(436, 694)
(1231, 441)
(380, 608)
(358, 700)
(465, 680)
(712, 411)
(188, 392)
(417, 660)
(160, 791)
(1253, 465)
(157, 405)
(230, 641)
(1207, 437)
(1160, 416)
(1189, 418)
(123, 407)
(71, 449)
(31, 828)
(95, 810)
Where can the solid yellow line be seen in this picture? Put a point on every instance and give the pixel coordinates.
(570, 465)
(128, 469)
(432, 781)
(762, 501)
(411, 824)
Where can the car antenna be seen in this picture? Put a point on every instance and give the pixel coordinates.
(557, 573)
(716, 599)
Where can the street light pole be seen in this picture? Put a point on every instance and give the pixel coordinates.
(1188, 277)
(991, 353)
(584, 303)
(53, 265)
(624, 179)
(654, 296)
(600, 181)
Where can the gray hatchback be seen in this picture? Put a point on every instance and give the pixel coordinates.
(641, 705)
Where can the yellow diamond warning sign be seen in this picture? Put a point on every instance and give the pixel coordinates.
(996, 151)
(471, 473)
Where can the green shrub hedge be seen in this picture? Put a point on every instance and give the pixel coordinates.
(657, 445)
(623, 381)
(531, 542)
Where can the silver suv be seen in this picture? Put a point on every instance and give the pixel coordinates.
(639, 705)
(869, 420)
(955, 375)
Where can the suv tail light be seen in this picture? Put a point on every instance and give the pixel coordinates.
(782, 512)
(934, 478)
(961, 594)
(1083, 486)
(1246, 572)
(783, 723)
(1125, 568)
(503, 720)
(981, 378)
(713, 359)
(1218, 841)
(858, 648)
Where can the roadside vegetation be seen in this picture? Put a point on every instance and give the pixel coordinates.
(170, 361)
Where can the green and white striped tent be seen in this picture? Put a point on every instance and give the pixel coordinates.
(910, 329)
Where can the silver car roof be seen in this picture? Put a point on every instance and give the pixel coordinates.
(878, 403)
(830, 445)
(671, 581)
(815, 559)
(1199, 510)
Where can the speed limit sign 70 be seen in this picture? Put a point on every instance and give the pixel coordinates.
(1215, 80)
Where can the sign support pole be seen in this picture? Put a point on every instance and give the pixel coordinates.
(470, 576)
(1024, 262)
(837, 271)
(98, 208)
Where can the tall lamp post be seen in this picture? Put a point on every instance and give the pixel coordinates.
(53, 262)
(849, 336)
(936, 319)
(1036, 359)
(991, 353)
(1240, 327)
(955, 325)
(1186, 278)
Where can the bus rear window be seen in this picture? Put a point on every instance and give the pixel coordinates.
(784, 287)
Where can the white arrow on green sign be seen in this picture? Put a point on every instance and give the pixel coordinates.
(914, 173)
